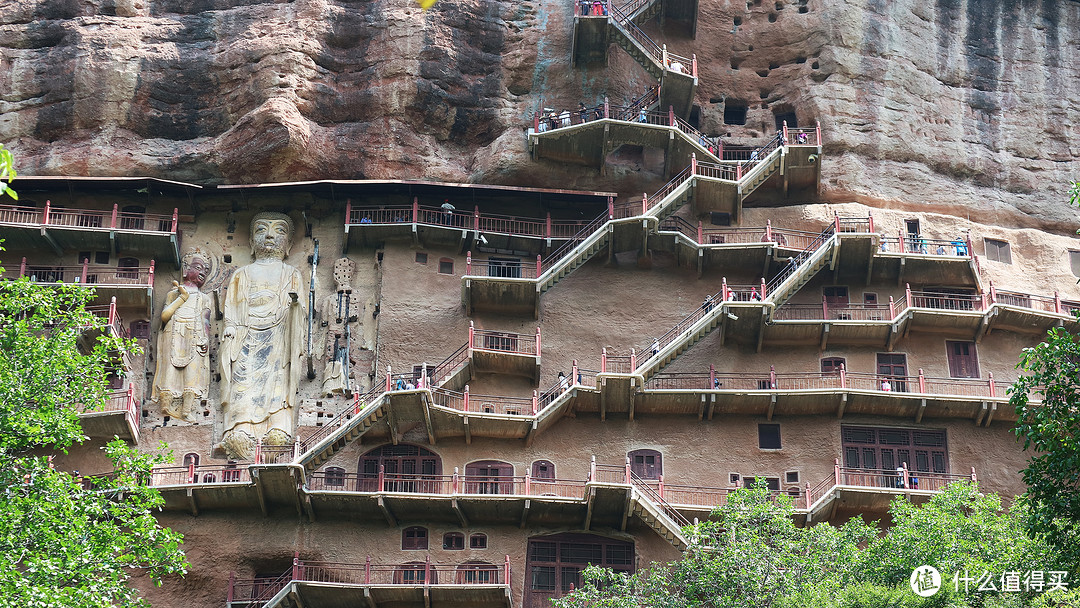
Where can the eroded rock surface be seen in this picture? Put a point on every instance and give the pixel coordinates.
(959, 105)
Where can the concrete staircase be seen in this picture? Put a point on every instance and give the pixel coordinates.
(821, 253)
(656, 513)
(345, 428)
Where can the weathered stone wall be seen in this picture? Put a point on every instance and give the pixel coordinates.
(953, 106)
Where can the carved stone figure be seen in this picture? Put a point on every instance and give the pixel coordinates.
(263, 342)
(182, 377)
(337, 312)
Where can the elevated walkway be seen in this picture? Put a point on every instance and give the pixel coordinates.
(127, 287)
(119, 417)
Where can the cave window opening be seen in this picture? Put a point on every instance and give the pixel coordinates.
(735, 113)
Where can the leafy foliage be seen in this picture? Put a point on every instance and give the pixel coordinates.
(1050, 429)
(754, 555)
(66, 541)
(7, 173)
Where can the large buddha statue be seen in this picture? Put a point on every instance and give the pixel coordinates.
(182, 377)
(263, 342)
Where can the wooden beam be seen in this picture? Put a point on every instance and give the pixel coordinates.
(701, 410)
(468, 431)
(603, 400)
(427, 421)
(626, 510)
(525, 513)
(259, 491)
(979, 413)
(990, 415)
(870, 266)
(390, 519)
(192, 503)
(391, 420)
(456, 506)
(296, 495)
(590, 500)
(370, 600)
(900, 275)
(761, 329)
(843, 405)
(922, 409)
(712, 405)
(308, 508)
(529, 434)
(825, 327)
(632, 400)
(52, 243)
(772, 407)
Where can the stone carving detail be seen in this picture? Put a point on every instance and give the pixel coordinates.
(182, 377)
(337, 312)
(262, 343)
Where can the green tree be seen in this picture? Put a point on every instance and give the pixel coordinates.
(64, 542)
(1049, 426)
(7, 173)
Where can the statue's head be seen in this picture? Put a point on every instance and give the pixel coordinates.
(343, 272)
(271, 235)
(196, 267)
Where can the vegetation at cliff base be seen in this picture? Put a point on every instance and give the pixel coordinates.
(753, 555)
(66, 541)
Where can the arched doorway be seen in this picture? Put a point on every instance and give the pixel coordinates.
(406, 468)
(489, 477)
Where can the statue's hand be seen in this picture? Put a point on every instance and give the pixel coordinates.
(183, 291)
(230, 332)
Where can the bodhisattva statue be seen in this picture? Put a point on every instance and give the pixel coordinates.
(338, 311)
(182, 377)
(263, 342)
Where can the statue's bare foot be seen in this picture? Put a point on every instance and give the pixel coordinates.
(239, 445)
(277, 437)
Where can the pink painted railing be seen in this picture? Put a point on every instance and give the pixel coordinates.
(86, 273)
(252, 593)
(901, 479)
(449, 364)
(653, 494)
(506, 342)
(802, 136)
(944, 301)
(343, 418)
(106, 219)
(485, 404)
(566, 248)
(849, 312)
(113, 321)
(501, 269)
(903, 243)
(482, 222)
(803, 256)
(444, 485)
(201, 474)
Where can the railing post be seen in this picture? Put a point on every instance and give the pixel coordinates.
(538, 342)
(115, 212)
(476, 218)
(836, 471)
(993, 293)
(836, 222)
(468, 263)
(660, 487)
(870, 220)
(348, 211)
(465, 399)
(607, 108)
(592, 468)
(1057, 302)
(258, 450)
(528, 484)
(574, 373)
(784, 143)
(772, 377)
(603, 360)
(506, 570)
(907, 476)
(229, 593)
(922, 381)
(712, 377)
(45, 217)
(738, 171)
(693, 65)
(150, 278)
(415, 210)
(693, 163)
(626, 472)
(993, 389)
(85, 264)
(191, 472)
(536, 122)
(535, 402)
(824, 308)
(806, 495)
(472, 334)
(843, 376)
(455, 481)
(700, 233)
(611, 207)
(296, 566)
(112, 312)
(892, 308)
(367, 571)
(663, 54)
(389, 386)
(382, 478)
(538, 265)
(974, 478)
(427, 571)
(907, 294)
(970, 249)
(633, 360)
(763, 294)
(671, 116)
(22, 268)
(547, 226)
(768, 231)
(644, 203)
(723, 289)
(901, 233)
(818, 132)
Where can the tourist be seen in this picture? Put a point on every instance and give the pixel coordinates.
(643, 116)
(886, 385)
(564, 383)
(754, 295)
(655, 347)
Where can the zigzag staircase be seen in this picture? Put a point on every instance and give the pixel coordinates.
(688, 332)
(664, 519)
(345, 428)
(594, 237)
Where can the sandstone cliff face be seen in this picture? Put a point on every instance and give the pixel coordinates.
(959, 105)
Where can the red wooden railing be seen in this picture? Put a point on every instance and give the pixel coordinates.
(507, 342)
(86, 274)
(474, 220)
(90, 219)
(901, 479)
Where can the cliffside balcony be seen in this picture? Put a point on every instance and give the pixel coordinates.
(849, 491)
(62, 229)
(770, 393)
(423, 225)
(131, 287)
(494, 285)
(118, 416)
(318, 583)
(505, 352)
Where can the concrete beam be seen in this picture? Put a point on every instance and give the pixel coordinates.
(390, 519)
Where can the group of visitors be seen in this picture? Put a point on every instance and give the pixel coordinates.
(916, 243)
(595, 8)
